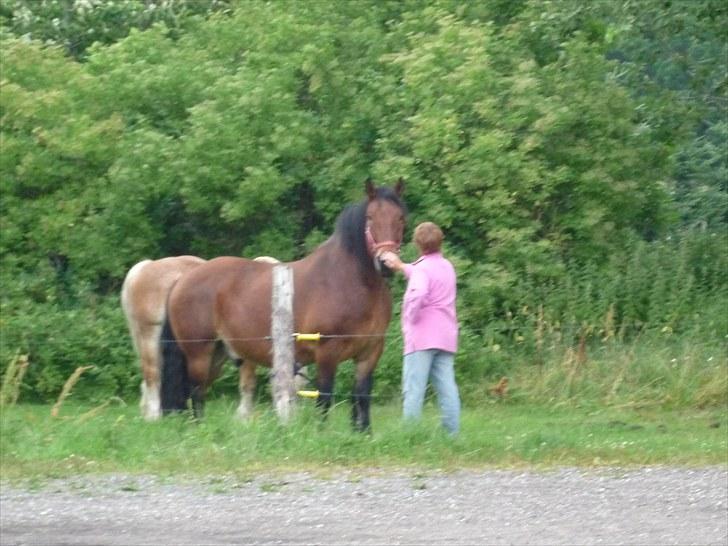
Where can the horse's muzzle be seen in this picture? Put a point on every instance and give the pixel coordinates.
(382, 268)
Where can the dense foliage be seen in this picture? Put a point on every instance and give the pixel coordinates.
(574, 153)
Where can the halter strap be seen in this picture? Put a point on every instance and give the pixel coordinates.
(374, 246)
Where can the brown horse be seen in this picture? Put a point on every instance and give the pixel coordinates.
(224, 306)
(143, 298)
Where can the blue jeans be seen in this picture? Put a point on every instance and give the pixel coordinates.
(436, 366)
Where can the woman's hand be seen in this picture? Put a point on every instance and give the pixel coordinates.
(392, 261)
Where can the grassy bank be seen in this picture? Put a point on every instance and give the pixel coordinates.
(35, 445)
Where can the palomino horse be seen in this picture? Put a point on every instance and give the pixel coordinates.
(339, 291)
(143, 299)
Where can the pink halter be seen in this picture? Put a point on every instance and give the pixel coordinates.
(375, 247)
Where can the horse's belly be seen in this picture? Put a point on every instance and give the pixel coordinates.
(255, 351)
(262, 352)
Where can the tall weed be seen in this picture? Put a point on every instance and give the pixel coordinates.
(648, 327)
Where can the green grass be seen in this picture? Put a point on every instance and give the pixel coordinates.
(34, 445)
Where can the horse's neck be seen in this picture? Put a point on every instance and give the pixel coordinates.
(341, 269)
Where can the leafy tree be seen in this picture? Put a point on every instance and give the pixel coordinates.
(525, 165)
(673, 58)
(77, 24)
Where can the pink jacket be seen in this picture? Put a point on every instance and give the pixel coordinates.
(429, 319)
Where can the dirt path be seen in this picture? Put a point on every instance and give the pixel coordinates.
(569, 506)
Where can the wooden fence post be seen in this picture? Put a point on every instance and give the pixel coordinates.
(284, 392)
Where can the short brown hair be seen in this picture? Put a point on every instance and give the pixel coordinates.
(428, 237)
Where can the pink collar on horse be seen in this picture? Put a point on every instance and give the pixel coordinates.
(375, 248)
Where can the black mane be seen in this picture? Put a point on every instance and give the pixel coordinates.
(351, 226)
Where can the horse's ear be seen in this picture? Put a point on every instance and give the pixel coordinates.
(399, 187)
(371, 189)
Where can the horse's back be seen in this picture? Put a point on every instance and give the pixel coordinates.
(216, 273)
(147, 284)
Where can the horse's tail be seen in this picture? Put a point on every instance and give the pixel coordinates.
(175, 388)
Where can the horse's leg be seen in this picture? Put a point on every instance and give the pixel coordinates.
(149, 356)
(136, 339)
(246, 386)
(145, 337)
(325, 383)
(362, 393)
(128, 298)
(300, 379)
(197, 395)
(204, 369)
(199, 372)
(203, 364)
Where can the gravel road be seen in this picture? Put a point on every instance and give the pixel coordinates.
(567, 506)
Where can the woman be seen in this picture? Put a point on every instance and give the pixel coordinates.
(430, 327)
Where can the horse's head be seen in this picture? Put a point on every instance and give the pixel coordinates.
(385, 221)
(374, 226)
